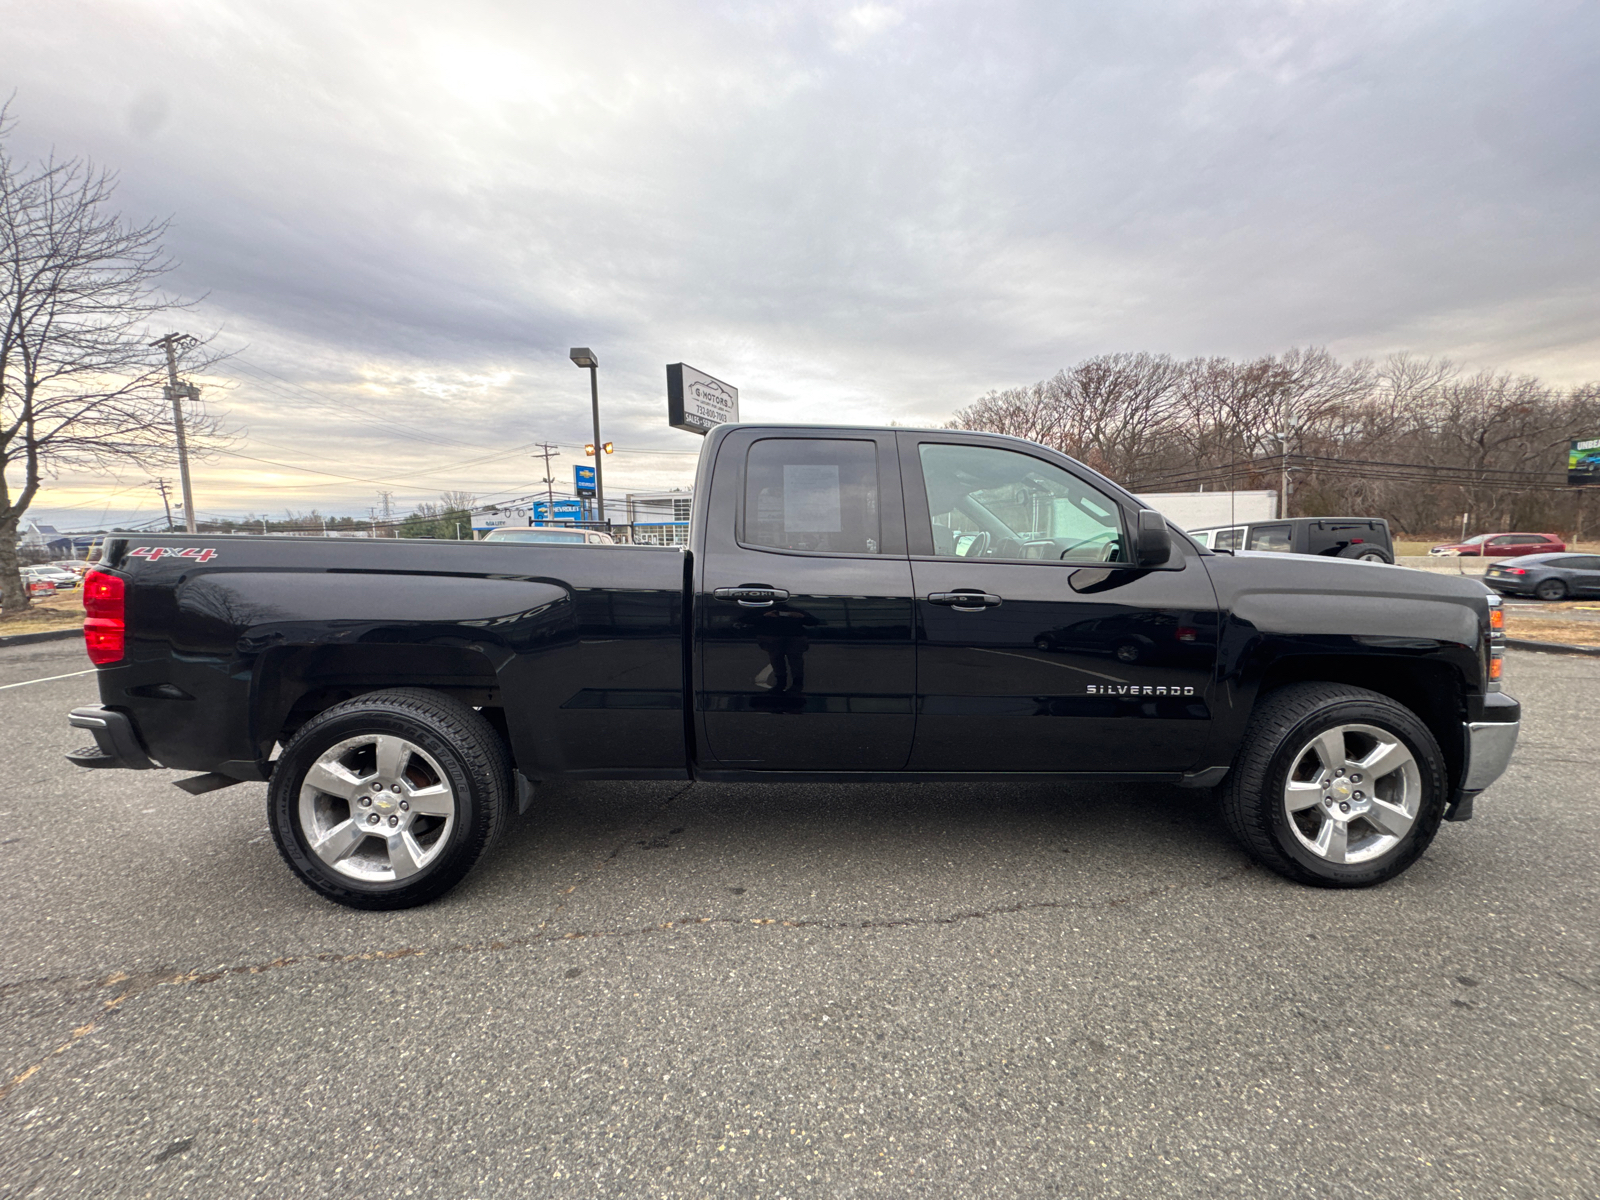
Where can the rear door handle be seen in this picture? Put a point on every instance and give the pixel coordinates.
(752, 595)
(965, 601)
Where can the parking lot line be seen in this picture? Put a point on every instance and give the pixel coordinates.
(49, 678)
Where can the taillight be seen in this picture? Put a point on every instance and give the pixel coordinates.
(105, 623)
(1513, 571)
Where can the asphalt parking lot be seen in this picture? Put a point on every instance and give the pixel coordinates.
(708, 990)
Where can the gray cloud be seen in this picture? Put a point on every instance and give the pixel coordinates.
(854, 211)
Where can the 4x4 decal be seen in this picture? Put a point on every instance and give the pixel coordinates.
(156, 553)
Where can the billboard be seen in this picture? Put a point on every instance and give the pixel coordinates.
(1583, 462)
(583, 480)
(696, 402)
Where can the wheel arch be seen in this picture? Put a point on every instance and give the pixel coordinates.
(294, 683)
(1432, 690)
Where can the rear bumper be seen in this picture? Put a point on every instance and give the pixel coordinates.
(116, 741)
(1490, 742)
(1507, 588)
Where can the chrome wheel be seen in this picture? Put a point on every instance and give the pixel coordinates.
(1353, 793)
(376, 808)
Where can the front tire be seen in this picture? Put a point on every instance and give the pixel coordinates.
(387, 800)
(1335, 786)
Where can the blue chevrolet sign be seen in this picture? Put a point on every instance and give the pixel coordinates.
(583, 480)
(565, 510)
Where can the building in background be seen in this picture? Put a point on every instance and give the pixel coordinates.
(659, 518)
(1202, 510)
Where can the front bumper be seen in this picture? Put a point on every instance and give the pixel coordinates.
(116, 740)
(1489, 743)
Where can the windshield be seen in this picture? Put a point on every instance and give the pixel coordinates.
(1473, 541)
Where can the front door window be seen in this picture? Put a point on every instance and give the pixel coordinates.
(987, 503)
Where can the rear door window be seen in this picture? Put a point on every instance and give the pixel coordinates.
(1228, 539)
(812, 494)
(1274, 538)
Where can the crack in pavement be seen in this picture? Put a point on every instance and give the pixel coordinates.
(134, 984)
(615, 850)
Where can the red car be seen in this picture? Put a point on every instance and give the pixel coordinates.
(1503, 545)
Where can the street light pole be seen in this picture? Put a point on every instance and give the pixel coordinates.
(173, 342)
(584, 357)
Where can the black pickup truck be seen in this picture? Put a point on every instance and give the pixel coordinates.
(855, 605)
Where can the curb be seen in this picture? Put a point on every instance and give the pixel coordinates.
(1553, 647)
(49, 635)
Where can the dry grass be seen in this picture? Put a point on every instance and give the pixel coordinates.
(1544, 629)
(58, 612)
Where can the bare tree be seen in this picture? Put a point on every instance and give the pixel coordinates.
(1411, 439)
(79, 383)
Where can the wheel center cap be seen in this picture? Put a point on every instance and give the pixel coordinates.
(1340, 790)
(384, 804)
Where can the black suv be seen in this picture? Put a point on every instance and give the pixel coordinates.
(1363, 538)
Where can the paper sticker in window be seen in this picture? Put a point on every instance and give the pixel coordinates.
(811, 498)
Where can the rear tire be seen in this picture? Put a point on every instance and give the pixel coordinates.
(386, 801)
(1367, 554)
(1335, 786)
(1551, 590)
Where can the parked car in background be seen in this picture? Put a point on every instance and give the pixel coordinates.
(1363, 538)
(1547, 576)
(59, 580)
(78, 567)
(544, 533)
(1502, 545)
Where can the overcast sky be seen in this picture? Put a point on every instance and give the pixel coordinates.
(402, 215)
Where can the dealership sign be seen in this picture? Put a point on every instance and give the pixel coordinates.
(565, 510)
(696, 402)
(583, 480)
(1583, 463)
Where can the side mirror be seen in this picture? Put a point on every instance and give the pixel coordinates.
(1152, 543)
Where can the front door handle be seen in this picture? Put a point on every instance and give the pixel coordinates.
(752, 595)
(965, 601)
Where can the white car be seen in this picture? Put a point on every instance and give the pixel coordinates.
(545, 533)
(62, 581)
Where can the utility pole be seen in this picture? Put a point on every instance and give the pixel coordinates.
(161, 485)
(547, 451)
(1283, 484)
(174, 342)
(386, 498)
